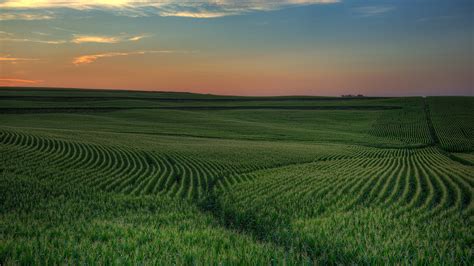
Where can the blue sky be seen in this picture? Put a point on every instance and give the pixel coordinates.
(287, 47)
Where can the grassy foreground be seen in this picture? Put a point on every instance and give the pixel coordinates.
(109, 177)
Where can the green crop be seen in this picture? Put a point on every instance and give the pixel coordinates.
(104, 177)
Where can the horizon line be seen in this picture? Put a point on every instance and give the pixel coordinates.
(228, 95)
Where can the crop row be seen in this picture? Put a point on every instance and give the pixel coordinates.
(417, 183)
(111, 168)
(407, 126)
(453, 122)
(128, 170)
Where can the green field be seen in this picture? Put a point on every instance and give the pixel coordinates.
(116, 177)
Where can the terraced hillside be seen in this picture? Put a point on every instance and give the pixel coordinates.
(110, 177)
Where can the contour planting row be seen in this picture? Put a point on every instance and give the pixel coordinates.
(111, 168)
(228, 182)
(73, 160)
(403, 204)
(419, 183)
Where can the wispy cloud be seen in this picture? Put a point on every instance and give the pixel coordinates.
(437, 18)
(24, 16)
(96, 39)
(87, 59)
(105, 39)
(137, 38)
(41, 33)
(14, 81)
(178, 8)
(8, 39)
(77, 39)
(8, 58)
(63, 29)
(198, 14)
(369, 11)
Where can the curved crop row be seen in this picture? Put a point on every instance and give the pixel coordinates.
(125, 169)
(416, 183)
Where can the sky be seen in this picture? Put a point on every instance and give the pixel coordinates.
(247, 47)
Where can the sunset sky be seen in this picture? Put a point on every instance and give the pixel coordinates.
(249, 47)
